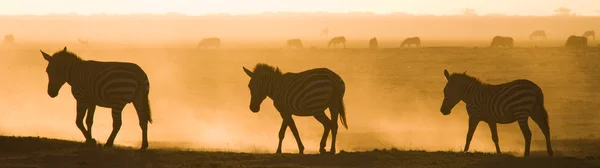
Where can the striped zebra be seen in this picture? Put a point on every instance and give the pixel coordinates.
(503, 104)
(307, 93)
(104, 84)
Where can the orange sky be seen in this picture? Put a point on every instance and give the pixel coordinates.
(196, 7)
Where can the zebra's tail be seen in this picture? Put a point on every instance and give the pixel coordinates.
(343, 114)
(146, 101)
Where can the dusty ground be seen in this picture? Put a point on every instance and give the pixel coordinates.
(42, 152)
(200, 102)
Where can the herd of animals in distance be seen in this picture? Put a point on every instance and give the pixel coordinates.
(306, 93)
(497, 41)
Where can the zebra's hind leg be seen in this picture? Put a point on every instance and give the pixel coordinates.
(494, 131)
(323, 119)
(89, 121)
(292, 126)
(542, 121)
(116, 115)
(142, 108)
(472, 126)
(526, 134)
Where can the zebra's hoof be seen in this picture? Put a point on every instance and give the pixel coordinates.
(144, 147)
(108, 145)
(322, 151)
(91, 141)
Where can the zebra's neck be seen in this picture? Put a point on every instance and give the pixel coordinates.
(470, 90)
(273, 83)
(71, 70)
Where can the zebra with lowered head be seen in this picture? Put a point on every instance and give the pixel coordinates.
(307, 93)
(497, 104)
(104, 84)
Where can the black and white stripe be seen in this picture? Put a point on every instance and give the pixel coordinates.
(105, 84)
(504, 103)
(307, 93)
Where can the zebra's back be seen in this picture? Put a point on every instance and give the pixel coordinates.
(310, 91)
(505, 103)
(108, 84)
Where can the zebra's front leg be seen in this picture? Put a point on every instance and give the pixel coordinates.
(116, 115)
(89, 121)
(526, 134)
(81, 109)
(281, 135)
(494, 131)
(323, 119)
(292, 126)
(472, 126)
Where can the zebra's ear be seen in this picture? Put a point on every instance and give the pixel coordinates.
(47, 57)
(248, 72)
(65, 49)
(446, 74)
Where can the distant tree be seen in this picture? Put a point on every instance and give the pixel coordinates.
(562, 11)
(469, 12)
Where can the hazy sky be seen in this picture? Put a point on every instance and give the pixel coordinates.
(196, 7)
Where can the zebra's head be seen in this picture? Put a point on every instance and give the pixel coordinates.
(56, 71)
(260, 84)
(451, 94)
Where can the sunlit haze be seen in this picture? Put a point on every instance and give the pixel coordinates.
(193, 7)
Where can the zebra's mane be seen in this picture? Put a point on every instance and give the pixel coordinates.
(262, 68)
(464, 76)
(63, 54)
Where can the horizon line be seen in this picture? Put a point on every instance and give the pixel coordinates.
(288, 13)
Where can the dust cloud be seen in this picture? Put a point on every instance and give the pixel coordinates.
(199, 98)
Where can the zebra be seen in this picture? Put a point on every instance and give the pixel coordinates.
(105, 84)
(83, 42)
(497, 104)
(294, 43)
(336, 40)
(538, 34)
(502, 41)
(307, 93)
(373, 43)
(411, 40)
(207, 42)
(9, 39)
(576, 41)
(590, 33)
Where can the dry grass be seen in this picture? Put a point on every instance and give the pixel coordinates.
(43, 152)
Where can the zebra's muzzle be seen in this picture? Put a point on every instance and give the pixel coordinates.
(254, 109)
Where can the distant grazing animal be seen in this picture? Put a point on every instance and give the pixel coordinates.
(210, 42)
(294, 43)
(538, 34)
(373, 43)
(9, 39)
(411, 40)
(590, 33)
(105, 84)
(84, 42)
(503, 104)
(307, 93)
(502, 41)
(337, 40)
(576, 41)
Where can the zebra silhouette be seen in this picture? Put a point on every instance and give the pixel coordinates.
(337, 40)
(538, 34)
(373, 43)
(589, 33)
(576, 41)
(504, 103)
(104, 84)
(307, 93)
